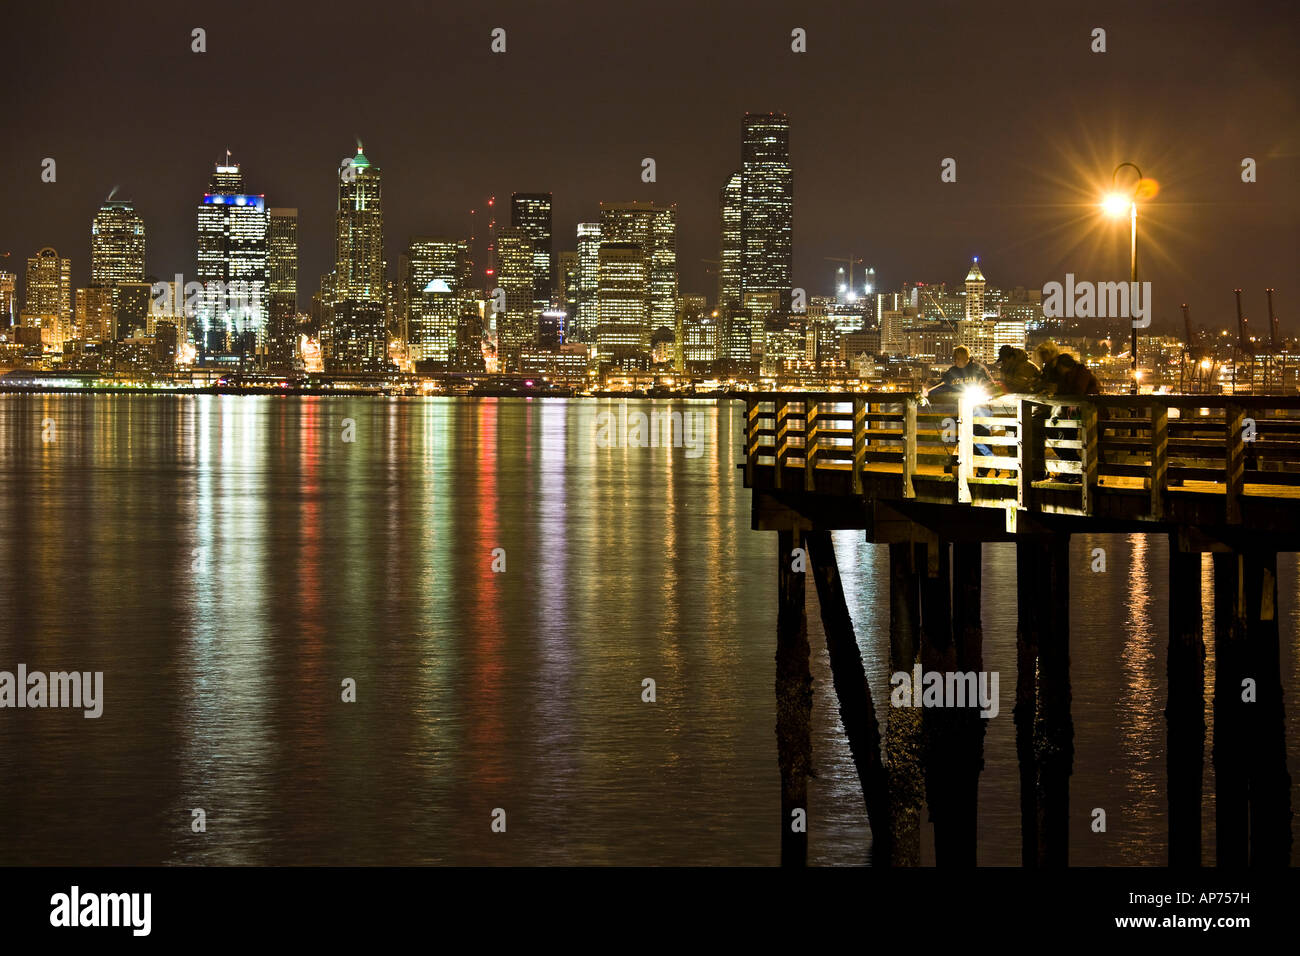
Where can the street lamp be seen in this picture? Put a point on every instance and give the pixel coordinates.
(1115, 205)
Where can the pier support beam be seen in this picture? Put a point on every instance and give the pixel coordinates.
(1030, 555)
(857, 712)
(793, 701)
(968, 639)
(1252, 785)
(941, 728)
(903, 737)
(1053, 727)
(1185, 712)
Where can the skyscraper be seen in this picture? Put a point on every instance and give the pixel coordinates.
(766, 205)
(584, 324)
(232, 252)
(974, 291)
(654, 229)
(730, 251)
(435, 278)
(48, 305)
(621, 335)
(282, 282)
(356, 339)
(116, 249)
(8, 299)
(531, 212)
(517, 326)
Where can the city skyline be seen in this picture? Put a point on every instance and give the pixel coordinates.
(869, 182)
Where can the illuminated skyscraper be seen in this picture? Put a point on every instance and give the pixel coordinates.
(232, 264)
(435, 275)
(621, 332)
(531, 212)
(48, 304)
(357, 339)
(766, 205)
(654, 229)
(282, 307)
(8, 300)
(517, 326)
(566, 284)
(116, 247)
(974, 291)
(730, 251)
(584, 324)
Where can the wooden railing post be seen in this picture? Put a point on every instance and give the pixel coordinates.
(809, 444)
(909, 445)
(1234, 463)
(965, 446)
(781, 408)
(1032, 455)
(751, 451)
(1159, 458)
(859, 442)
(1090, 455)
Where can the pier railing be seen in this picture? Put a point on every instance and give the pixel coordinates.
(1059, 454)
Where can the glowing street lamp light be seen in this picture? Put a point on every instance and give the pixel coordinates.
(1116, 205)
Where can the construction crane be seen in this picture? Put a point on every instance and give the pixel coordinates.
(851, 261)
(1243, 330)
(1272, 322)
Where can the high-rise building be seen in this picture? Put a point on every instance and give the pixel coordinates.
(48, 304)
(566, 285)
(584, 323)
(516, 327)
(531, 212)
(434, 275)
(621, 334)
(356, 339)
(766, 205)
(8, 299)
(974, 291)
(96, 318)
(730, 252)
(117, 240)
(282, 284)
(654, 228)
(690, 310)
(232, 251)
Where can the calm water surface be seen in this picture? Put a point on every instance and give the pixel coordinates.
(228, 562)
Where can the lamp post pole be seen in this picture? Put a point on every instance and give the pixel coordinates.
(1133, 266)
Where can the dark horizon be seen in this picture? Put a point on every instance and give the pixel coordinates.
(1035, 120)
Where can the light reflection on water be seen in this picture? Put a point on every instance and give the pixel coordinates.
(228, 562)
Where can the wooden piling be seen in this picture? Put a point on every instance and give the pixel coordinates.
(941, 733)
(968, 640)
(1054, 727)
(903, 733)
(1030, 561)
(793, 701)
(857, 712)
(1269, 782)
(1231, 801)
(1185, 711)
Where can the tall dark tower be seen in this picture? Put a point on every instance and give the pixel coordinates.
(531, 212)
(766, 205)
(358, 337)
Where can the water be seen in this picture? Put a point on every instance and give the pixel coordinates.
(228, 562)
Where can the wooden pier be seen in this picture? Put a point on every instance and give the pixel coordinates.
(1215, 474)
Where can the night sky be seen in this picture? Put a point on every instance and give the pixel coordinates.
(1035, 120)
